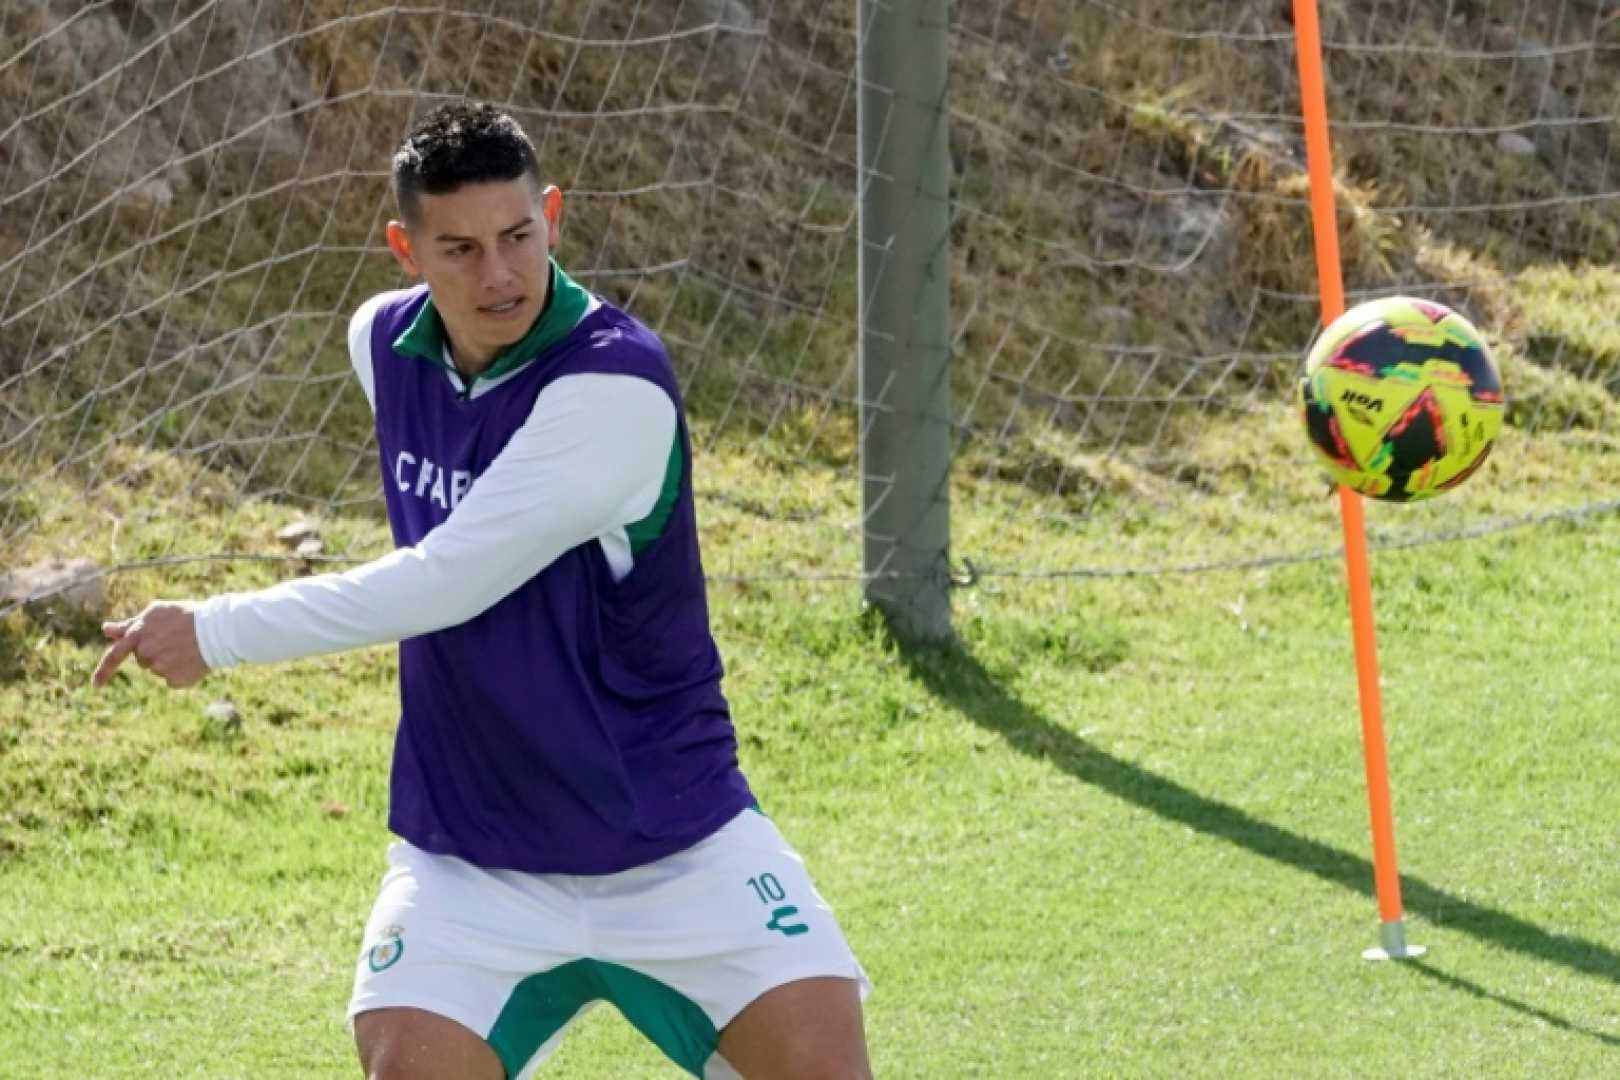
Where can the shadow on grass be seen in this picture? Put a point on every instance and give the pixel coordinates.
(1550, 1019)
(952, 673)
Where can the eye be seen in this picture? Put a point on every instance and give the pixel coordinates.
(458, 250)
(518, 238)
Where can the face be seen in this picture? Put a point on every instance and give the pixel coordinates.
(483, 250)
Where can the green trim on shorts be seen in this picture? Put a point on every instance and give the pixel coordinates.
(541, 1005)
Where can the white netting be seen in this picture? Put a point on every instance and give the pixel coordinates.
(1140, 278)
(192, 196)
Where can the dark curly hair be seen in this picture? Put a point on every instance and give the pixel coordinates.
(456, 144)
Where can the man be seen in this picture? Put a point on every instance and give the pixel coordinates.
(574, 826)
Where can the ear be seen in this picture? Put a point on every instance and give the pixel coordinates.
(551, 201)
(399, 242)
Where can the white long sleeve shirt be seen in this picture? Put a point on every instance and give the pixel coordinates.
(589, 461)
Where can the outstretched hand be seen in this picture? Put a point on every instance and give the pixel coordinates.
(163, 640)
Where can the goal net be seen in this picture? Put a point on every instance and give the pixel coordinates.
(193, 196)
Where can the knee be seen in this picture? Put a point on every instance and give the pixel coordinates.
(802, 1062)
(410, 1044)
(405, 1066)
(805, 1030)
(825, 1068)
(391, 1061)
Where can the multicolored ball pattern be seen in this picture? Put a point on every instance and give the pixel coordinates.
(1401, 399)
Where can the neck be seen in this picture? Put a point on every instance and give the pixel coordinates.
(469, 363)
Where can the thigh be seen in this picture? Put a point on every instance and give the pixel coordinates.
(453, 950)
(413, 1044)
(689, 942)
(807, 1028)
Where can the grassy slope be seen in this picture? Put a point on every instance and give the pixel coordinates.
(1073, 179)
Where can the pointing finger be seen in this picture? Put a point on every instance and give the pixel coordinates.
(112, 658)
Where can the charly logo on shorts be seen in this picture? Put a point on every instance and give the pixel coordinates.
(386, 953)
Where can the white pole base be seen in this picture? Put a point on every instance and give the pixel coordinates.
(1392, 944)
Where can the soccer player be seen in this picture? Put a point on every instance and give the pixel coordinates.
(573, 825)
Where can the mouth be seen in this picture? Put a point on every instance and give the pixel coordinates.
(498, 310)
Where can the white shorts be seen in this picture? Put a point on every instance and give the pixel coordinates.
(680, 945)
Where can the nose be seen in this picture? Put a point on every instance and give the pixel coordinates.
(494, 272)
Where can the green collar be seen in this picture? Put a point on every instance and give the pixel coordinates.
(566, 302)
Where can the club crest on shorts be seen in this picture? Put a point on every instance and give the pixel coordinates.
(386, 953)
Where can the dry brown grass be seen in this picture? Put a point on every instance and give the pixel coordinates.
(1120, 185)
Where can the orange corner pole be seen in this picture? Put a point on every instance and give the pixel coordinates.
(1319, 157)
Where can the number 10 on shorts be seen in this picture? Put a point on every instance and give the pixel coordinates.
(769, 891)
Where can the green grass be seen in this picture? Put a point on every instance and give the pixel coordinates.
(1119, 828)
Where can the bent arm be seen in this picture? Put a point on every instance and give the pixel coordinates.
(590, 458)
